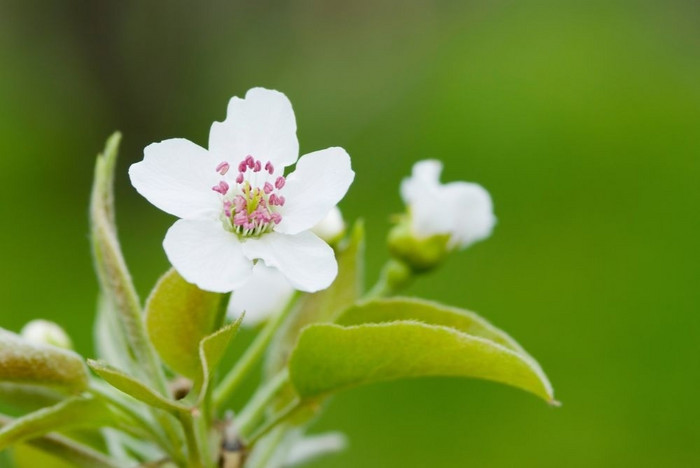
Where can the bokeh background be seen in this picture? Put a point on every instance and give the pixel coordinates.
(581, 118)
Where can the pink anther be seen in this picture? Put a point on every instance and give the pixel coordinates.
(268, 188)
(239, 178)
(250, 161)
(222, 168)
(240, 219)
(239, 202)
(279, 183)
(222, 188)
(269, 167)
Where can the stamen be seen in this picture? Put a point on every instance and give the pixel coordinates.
(222, 188)
(250, 209)
(222, 168)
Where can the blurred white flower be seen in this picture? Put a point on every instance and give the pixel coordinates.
(44, 332)
(330, 228)
(461, 210)
(311, 447)
(235, 203)
(266, 292)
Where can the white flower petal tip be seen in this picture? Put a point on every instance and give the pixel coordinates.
(461, 210)
(44, 332)
(265, 293)
(235, 203)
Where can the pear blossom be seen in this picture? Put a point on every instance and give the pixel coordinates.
(235, 203)
(461, 210)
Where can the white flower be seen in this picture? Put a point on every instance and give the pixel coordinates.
(235, 204)
(44, 332)
(462, 210)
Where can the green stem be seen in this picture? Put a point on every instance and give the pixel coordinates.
(394, 277)
(266, 451)
(136, 416)
(279, 418)
(251, 356)
(255, 408)
(194, 455)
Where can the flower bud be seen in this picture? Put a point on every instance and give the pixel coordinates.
(441, 217)
(332, 227)
(420, 254)
(43, 332)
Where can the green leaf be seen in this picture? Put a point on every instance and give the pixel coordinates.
(28, 397)
(434, 313)
(111, 346)
(72, 413)
(330, 357)
(178, 316)
(28, 363)
(323, 306)
(115, 281)
(129, 385)
(59, 452)
(211, 350)
(56, 451)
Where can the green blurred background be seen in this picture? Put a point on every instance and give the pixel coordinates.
(581, 118)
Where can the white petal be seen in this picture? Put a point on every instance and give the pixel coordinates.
(206, 254)
(266, 292)
(461, 209)
(318, 183)
(422, 193)
(311, 447)
(306, 261)
(261, 125)
(472, 212)
(331, 227)
(425, 175)
(177, 176)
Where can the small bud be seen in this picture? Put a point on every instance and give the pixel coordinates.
(420, 254)
(332, 227)
(43, 332)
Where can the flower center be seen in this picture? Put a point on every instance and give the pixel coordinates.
(251, 202)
